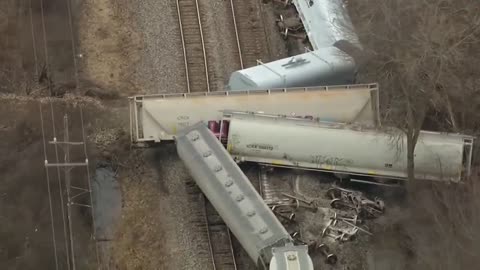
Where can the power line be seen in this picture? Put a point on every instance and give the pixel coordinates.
(90, 188)
(49, 192)
(68, 183)
(47, 65)
(73, 192)
(33, 40)
(72, 37)
(60, 189)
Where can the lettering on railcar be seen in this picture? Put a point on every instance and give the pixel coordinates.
(333, 161)
(183, 117)
(183, 124)
(260, 146)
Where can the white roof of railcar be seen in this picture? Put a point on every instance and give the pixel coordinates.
(326, 22)
(327, 62)
(291, 119)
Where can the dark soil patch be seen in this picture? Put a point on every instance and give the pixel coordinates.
(25, 232)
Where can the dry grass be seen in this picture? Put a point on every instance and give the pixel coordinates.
(72, 100)
(25, 230)
(445, 226)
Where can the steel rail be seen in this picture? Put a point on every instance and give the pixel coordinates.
(236, 33)
(252, 38)
(182, 23)
(232, 251)
(183, 45)
(210, 243)
(203, 46)
(210, 246)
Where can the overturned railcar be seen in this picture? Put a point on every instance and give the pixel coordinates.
(329, 66)
(326, 23)
(344, 149)
(157, 118)
(335, 57)
(235, 199)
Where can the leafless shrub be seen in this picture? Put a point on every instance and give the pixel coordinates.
(423, 55)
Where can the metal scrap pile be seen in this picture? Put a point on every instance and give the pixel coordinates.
(350, 210)
(285, 211)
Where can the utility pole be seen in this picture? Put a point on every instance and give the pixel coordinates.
(73, 192)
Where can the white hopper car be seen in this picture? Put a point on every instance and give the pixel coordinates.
(344, 149)
(334, 59)
(252, 222)
(329, 66)
(326, 22)
(157, 118)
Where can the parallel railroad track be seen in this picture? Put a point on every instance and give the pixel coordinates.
(271, 191)
(235, 29)
(221, 246)
(193, 43)
(215, 239)
(250, 31)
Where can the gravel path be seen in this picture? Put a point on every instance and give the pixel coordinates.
(220, 40)
(155, 231)
(173, 175)
(160, 69)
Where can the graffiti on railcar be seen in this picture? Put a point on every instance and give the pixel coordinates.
(332, 161)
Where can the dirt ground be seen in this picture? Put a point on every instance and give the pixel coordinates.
(107, 51)
(25, 233)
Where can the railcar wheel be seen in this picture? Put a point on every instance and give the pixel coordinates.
(339, 204)
(380, 204)
(334, 193)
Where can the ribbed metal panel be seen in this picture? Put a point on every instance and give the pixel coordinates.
(231, 193)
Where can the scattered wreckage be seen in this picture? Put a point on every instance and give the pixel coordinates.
(344, 198)
(349, 211)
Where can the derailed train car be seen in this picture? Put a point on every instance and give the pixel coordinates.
(329, 66)
(157, 118)
(344, 149)
(236, 200)
(326, 23)
(334, 60)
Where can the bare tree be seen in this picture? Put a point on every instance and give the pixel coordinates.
(424, 54)
(421, 53)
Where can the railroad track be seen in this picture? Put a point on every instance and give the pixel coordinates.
(250, 32)
(214, 237)
(193, 43)
(196, 201)
(271, 191)
(235, 29)
(223, 255)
